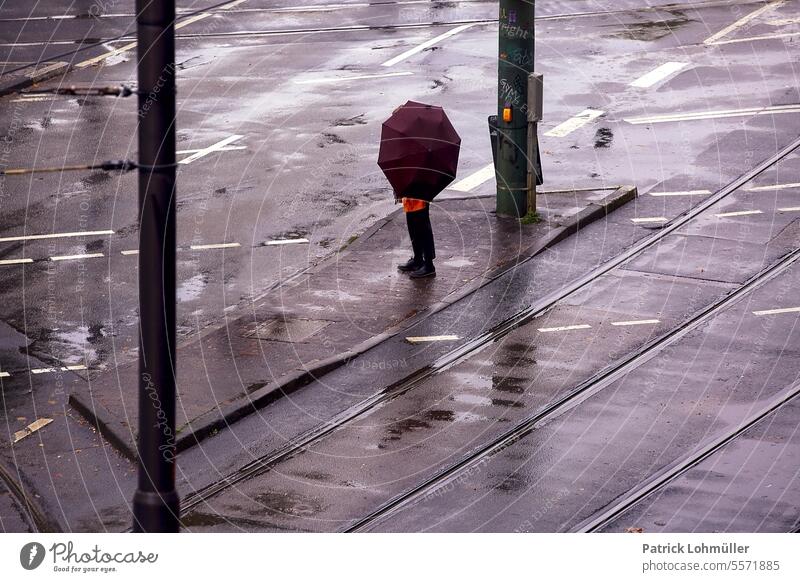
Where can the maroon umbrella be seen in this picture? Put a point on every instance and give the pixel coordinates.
(419, 151)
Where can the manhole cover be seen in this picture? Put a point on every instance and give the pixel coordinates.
(287, 330)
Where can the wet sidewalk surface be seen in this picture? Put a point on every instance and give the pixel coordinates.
(335, 310)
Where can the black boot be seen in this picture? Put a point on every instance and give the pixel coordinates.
(426, 270)
(411, 265)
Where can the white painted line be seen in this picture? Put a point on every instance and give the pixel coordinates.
(790, 209)
(564, 328)
(773, 187)
(778, 311)
(43, 370)
(37, 424)
(719, 114)
(757, 38)
(214, 246)
(15, 261)
(431, 338)
(738, 213)
(5, 375)
(130, 252)
(742, 21)
(225, 149)
(574, 123)
(635, 322)
(658, 74)
(286, 241)
(77, 257)
(649, 219)
(73, 368)
(474, 180)
(684, 193)
(351, 78)
(210, 149)
(32, 99)
(426, 44)
(56, 235)
(104, 56)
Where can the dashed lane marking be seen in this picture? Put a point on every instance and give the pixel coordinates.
(222, 149)
(757, 38)
(214, 246)
(564, 328)
(130, 252)
(56, 235)
(77, 257)
(790, 209)
(658, 74)
(635, 322)
(210, 149)
(714, 38)
(51, 370)
(475, 179)
(738, 213)
(318, 80)
(715, 114)
(773, 187)
(574, 123)
(431, 338)
(684, 193)
(429, 43)
(286, 241)
(649, 219)
(777, 311)
(15, 261)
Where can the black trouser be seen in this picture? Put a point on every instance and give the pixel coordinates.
(421, 233)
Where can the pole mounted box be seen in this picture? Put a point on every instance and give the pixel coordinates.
(535, 97)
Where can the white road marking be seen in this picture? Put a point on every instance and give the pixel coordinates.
(37, 424)
(635, 322)
(56, 235)
(474, 180)
(130, 252)
(15, 261)
(351, 78)
(223, 149)
(32, 99)
(214, 246)
(574, 123)
(719, 114)
(777, 311)
(286, 241)
(429, 43)
(210, 149)
(790, 209)
(714, 38)
(684, 193)
(737, 213)
(564, 328)
(649, 219)
(73, 368)
(431, 338)
(77, 257)
(658, 74)
(773, 187)
(5, 375)
(757, 38)
(43, 370)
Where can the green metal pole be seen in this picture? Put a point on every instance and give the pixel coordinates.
(515, 62)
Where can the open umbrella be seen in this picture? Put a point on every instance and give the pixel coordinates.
(419, 151)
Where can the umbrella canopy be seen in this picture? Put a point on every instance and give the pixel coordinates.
(419, 151)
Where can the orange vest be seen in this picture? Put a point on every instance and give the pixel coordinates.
(412, 204)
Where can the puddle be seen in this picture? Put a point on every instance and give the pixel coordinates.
(192, 288)
(650, 31)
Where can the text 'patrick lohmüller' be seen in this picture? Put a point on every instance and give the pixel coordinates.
(725, 548)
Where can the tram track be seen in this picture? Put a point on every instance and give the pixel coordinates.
(308, 438)
(92, 43)
(36, 517)
(666, 475)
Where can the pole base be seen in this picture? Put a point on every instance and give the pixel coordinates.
(156, 512)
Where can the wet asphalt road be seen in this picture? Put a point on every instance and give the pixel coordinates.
(261, 77)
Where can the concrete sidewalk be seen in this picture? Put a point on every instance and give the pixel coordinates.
(335, 311)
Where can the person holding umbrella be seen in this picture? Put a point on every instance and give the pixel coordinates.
(418, 220)
(419, 156)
